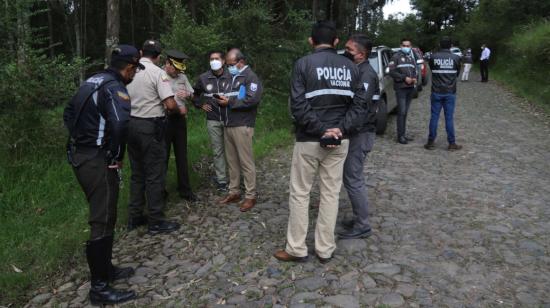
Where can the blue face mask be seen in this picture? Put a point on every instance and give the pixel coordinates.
(406, 50)
(233, 70)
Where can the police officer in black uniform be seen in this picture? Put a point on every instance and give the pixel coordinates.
(358, 49)
(445, 67)
(327, 102)
(97, 120)
(216, 81)
(403, 71)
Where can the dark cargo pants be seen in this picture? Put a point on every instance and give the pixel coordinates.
(404, 97)
(176, 134)
(354, 179)
(100, 185)
(147, 153)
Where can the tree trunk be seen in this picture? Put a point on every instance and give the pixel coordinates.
(132, 21)
(77, 29)
(8, 23)
(315, 10)
(23, 31)
(113, 27)
(151, 20)
(50, 31)
(192, 4)
(330, 10)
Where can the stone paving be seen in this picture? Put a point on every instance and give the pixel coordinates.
(451, 229)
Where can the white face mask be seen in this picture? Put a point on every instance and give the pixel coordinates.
(215, 65)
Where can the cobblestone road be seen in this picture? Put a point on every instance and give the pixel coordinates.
(461, 229)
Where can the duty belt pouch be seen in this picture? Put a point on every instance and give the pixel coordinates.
(160, 128)
(77, 157)
(71, 149)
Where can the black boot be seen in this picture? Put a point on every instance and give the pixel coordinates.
(115, 272)
(99, 261)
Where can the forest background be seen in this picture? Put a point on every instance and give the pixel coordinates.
(50, 46)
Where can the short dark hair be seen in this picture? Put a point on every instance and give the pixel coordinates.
(221, 53)
(405, 39)
(323, 32)
(445, 42)
(118, 65)
(362, 41)
(150, 54)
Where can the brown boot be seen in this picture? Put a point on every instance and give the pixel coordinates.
(230, 198)
(430, 145)
(454, 147)
(282, 255)
(247, 204)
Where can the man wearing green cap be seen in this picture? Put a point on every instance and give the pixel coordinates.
(176, 132)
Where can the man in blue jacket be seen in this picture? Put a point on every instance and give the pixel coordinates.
(242, 106)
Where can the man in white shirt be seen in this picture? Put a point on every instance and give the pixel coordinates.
(484, 63)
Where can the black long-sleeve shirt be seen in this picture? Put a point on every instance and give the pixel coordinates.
(98, 114)
(445, 67)
(326, 92)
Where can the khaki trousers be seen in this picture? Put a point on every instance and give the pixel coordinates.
(215, 131)
(307, 158)
(240, 159)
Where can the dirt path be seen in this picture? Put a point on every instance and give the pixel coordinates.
(462, 229)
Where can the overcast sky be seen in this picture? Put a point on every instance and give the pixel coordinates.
(397, 6)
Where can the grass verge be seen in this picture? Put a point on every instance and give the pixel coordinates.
(531, 85)
(43, 212)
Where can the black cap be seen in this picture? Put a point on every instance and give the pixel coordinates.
(176, 55)
(152, 45)
(128, 54)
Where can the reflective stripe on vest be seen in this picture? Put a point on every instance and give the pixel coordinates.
(329, 92)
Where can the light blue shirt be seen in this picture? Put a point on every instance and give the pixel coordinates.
(485, 54)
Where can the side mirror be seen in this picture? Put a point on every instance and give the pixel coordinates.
(387, 70)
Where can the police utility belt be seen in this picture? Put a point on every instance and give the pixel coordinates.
(160, 124)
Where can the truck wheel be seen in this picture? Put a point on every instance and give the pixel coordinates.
(382, 117)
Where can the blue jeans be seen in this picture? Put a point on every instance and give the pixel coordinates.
(404, 97)
(447, 102)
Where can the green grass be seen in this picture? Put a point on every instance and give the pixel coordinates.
(43, 212)
(532, 85)
(525, 64)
